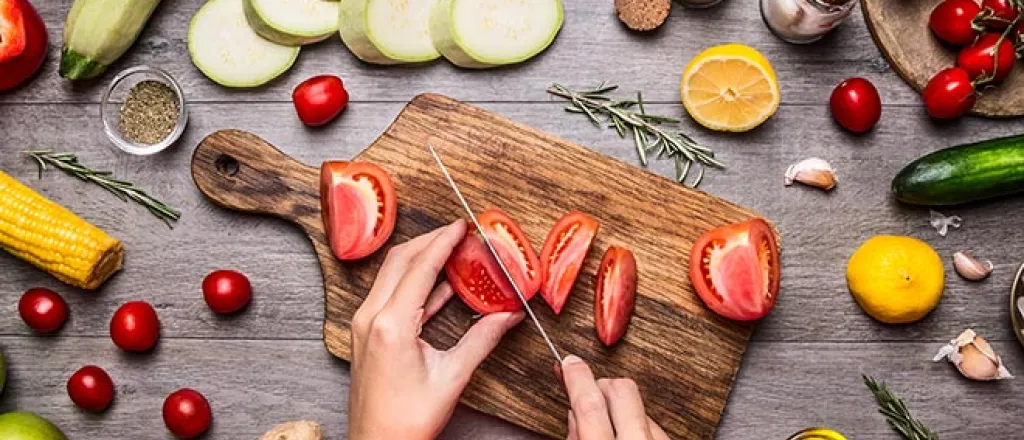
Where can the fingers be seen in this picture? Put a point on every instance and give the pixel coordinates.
(412, 290)
(626, 408)
(437, 299)
(479, 341)
(587, 401)
(656, 432)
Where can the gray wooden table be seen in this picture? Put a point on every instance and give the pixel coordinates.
(269, 365)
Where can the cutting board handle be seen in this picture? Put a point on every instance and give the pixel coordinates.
(240, 171)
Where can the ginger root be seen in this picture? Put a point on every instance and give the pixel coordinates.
(296, 430)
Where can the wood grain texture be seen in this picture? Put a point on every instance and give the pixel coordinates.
(488, 156)
(901, 30)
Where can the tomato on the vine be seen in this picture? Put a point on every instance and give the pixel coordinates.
(953, 21)
(980, 59)
(187, 413)
(949, 94)
(1003, 12)
(735, 270)
(43, 310)
(226, 291)
(855, 105)
(135, 327)
(91, 388)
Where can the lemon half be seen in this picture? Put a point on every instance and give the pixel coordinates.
(731, 87)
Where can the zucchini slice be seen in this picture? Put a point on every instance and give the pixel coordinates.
(387, 31)
(229, 52)
(293, 22)
(487, 33)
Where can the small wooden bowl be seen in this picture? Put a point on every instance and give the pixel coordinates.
(900, 28)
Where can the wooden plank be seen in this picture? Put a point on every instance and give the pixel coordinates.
(820, 230)
(252, 385)
(593, 46)
(487, 155)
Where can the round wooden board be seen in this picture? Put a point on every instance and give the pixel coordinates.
(900, 28)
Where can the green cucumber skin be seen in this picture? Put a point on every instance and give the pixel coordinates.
(963, 174)
(75, 66)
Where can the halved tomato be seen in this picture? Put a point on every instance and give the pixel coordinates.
(358, 206)
(562, 256)
(735, 269)
(475, 275)
(615, 294)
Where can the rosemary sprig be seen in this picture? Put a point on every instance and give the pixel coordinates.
(896, 412)
(630, 117)
(125, 191)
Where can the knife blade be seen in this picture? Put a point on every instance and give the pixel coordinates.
(494, 253)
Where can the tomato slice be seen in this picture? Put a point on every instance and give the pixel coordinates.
(12, 29)
(359, 207)
(615, 294)
(475, 275)
(735, 270)
(562, 256)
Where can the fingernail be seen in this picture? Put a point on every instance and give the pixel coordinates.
(571, 359)
(513, 319)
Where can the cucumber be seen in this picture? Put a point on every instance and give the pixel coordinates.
(98, 32)
(229, 52)
(962, 174)
(293, 22)
(486, 33)
(387, 31)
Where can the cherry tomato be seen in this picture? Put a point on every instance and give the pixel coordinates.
(475, 275)
(735, 270)
(91, 389)
(952, 21)
(949, 94)
(226, 291)
(23, 42)
(187, 414)
(979, 59)
(1003, 12)
(135, 327)
(614, 295)
(856, 105)
(359, 207)
(43, 310)
(562, 256)
(320, 99)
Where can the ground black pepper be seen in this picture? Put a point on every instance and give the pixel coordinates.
(149, 113)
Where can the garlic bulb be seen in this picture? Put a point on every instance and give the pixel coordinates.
(813, 172)
(970, 268)
(973, 357)
(941, 223)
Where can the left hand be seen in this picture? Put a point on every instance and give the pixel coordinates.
(402, 387)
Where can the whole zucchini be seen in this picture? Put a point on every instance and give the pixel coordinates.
(964, 173)
(98, 32)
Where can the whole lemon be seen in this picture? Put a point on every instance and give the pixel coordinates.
(896, 280)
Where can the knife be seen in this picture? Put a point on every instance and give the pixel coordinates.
(494, 253)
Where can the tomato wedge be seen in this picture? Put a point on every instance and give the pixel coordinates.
(562, 256)
(359, 207)
(615, 294)
(475, 275)
(735, 270)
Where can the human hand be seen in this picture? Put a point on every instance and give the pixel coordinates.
(605, 409)
(402, 387)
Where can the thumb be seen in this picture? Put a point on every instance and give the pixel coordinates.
(479, 341)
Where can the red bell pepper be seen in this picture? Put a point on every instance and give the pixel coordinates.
(22, 42)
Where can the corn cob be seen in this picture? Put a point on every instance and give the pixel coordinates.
(54, 239)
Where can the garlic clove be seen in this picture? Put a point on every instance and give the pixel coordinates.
(970, 268)
(973, 357)
(941, 223)
(812, 172)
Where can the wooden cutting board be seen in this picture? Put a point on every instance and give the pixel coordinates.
(900, 28)
(683, 357)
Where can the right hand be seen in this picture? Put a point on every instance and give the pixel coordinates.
(605, 409)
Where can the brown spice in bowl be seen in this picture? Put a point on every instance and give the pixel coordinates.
(149, 113)
(643, 15)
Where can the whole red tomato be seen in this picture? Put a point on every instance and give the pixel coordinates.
(187, 414)
(949, 94)
(43, 310)
(319, 99)
(135, 327)
(980, 58)
(91, 388)
(226, 291)
(1003, 12)
(952, 21)
(856, 105)
(23, 42)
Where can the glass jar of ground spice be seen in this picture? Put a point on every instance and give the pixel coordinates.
(143, 110)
